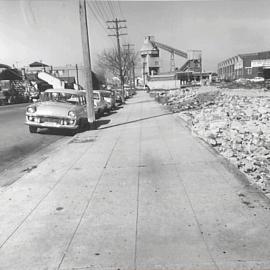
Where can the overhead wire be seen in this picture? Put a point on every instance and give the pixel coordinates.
(110, 8)
(100, 22)
(120, 9)
(104, 9)
(99, 10)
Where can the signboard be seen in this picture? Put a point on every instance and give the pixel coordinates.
(260, 63)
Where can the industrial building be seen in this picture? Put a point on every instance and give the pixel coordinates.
(190, 71)
(246, 66)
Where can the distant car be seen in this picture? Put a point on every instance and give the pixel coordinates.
(109, 98)
(257, 79)
(100, 103)
(58, 108)
(118, 96)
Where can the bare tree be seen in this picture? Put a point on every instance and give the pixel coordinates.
(109, 62)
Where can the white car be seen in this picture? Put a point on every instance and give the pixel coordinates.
(99, 103)
(58, 108)
(257, 79)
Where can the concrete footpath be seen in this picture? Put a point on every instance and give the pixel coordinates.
(139, 193)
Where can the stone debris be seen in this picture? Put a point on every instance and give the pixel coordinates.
(237, 126)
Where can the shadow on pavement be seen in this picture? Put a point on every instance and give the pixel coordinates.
(137, 120)
(101, 122)
(52, 131)
(118, 108)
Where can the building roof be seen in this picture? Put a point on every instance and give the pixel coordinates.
(38, 64)
(4, 66)
(148, 45)
(10, 74)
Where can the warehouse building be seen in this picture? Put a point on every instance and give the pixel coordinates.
(246, 66)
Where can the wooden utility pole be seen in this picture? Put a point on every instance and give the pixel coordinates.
(133, 74)
(87, 63)
(129, 62)
(117, 27)
(77, 74)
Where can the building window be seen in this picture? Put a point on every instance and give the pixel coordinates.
(249, 71)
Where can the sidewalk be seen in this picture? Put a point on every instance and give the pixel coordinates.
(139, 193)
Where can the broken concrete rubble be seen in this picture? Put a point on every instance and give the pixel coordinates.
(237, 126)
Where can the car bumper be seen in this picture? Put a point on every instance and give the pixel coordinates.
(50, 125)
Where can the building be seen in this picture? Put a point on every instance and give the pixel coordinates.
(246, 66)
(150, 58)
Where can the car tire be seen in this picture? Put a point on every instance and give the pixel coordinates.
(32, 129)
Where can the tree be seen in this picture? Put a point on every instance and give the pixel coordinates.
(109, 62)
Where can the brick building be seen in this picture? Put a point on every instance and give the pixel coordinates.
(247, 66)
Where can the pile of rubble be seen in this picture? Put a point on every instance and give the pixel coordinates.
(188, 99)
(238, 127)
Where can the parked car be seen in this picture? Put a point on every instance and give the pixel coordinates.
(58, 108)
(257, 79)
(118, 96)
(109, 98)
(100, 103)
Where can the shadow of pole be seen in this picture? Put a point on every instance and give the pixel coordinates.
(137, 120)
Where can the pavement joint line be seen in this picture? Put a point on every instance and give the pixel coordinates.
(90, 199)
(138, 194)
(45, 196)
(190, 202)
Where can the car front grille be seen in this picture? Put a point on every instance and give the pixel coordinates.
(50, 120)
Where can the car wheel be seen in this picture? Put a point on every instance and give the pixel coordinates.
(32, 129)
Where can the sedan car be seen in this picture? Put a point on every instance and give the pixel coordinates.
(118, 96)
(58, 108)
(109, 98)
(100, 103)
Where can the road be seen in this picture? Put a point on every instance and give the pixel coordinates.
(16, 142)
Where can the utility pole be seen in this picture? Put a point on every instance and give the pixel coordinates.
(118, 27)
(144, 74)
(87, 63)
(77, 74)
(129, 62)
(133, 73)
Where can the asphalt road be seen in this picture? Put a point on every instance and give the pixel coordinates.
(16, 142)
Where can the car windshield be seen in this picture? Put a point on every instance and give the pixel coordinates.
(61, 97)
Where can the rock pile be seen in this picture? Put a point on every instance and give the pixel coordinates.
(238, 127)
(187, 99)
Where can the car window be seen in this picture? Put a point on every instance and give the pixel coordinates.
(61, 97)
(106, 94)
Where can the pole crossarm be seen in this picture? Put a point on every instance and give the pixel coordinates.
(124, 34)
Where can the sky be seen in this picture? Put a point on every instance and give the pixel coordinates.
(49, 30)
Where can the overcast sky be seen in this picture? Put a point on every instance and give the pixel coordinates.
(49, 30)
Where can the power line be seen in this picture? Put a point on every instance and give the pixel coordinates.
(120, 9)
(99, 10)
(99, 22)
(109, 8)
